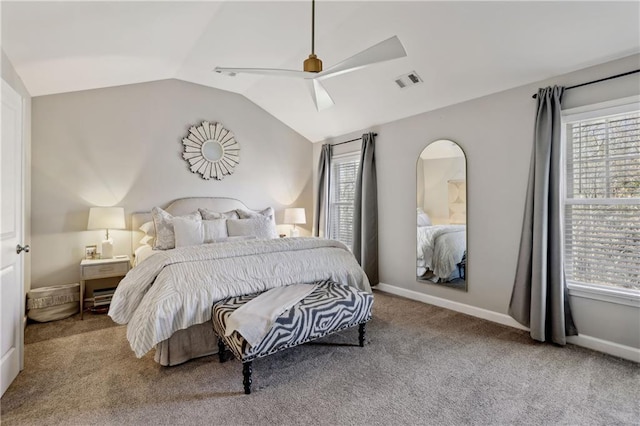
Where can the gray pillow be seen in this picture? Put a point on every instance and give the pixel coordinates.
(211, 215)
(260, 227)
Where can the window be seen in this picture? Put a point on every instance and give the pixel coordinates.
(344, 172)
(602, 197)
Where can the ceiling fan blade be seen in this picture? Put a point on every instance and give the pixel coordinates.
(386, 50)
(320, 96)
(265, 71)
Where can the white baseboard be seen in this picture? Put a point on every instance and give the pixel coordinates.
(503, 319)
(611, 348)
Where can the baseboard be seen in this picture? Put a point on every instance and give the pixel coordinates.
(496, 317)
(611, 348)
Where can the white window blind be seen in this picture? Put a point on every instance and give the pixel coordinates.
(602, 200)
(344, 170)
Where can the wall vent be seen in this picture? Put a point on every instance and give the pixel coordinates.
(410, 79)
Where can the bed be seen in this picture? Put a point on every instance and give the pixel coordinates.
(166, 298)
(440, 252)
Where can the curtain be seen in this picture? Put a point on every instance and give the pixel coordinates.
(322, 206)
(365, 216)
(540, 299)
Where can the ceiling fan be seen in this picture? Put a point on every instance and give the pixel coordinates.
(386, 50)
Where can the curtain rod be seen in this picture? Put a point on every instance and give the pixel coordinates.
(535, 95)
(352, 140)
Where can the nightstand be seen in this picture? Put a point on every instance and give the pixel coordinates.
(101, 269)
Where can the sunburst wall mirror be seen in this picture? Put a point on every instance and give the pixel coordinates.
(211, 150)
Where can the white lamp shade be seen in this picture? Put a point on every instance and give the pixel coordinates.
(295, 216)
(106, 218)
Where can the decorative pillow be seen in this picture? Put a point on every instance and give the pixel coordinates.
(211, 215)
(259, 227)
(188, 232)
(163, 223)
(250, 214)
(213, 230)
(423, 218)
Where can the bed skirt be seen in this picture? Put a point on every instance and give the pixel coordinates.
(194, 342)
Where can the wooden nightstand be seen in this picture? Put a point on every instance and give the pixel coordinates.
(101, 269)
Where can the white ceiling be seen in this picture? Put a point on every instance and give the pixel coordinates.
(462, 50)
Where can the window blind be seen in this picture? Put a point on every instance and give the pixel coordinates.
(342, 195)
(602, 201)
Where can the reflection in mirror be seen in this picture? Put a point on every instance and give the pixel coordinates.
(442, 215)
(212, 150)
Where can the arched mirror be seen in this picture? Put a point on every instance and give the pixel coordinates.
(441, 183)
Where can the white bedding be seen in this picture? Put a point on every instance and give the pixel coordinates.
(439, 249)
(175, 289)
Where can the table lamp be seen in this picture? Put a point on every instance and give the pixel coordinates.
(295, 216)
(106, 218)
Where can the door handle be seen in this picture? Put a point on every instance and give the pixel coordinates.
(20, 248)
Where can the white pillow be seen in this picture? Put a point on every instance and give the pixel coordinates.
(423, 218)
(259, 227)
(214, 230)
(147, 240)
(211, 215)
(148, 228)
(188, 232)
(163, 223)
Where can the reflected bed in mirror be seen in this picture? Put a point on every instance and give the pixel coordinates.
(441, 241)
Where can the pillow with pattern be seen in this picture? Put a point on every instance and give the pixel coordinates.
(251, 214)
(260, 227)
(211, 215)
(163, 223)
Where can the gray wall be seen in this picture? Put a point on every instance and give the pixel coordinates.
(10, 76)
(122, 146)
(495, 132)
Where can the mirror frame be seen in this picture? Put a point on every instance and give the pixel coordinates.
(448, 284)
(194, 144)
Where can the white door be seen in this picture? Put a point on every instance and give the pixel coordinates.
(11, 234)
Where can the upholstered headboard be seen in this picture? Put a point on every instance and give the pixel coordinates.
(184, 206)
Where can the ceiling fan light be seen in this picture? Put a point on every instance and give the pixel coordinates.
(312, 64)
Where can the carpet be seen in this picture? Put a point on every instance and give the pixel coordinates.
(421, 365)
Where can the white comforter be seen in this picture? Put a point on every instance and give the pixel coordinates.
(175, 289)
(440, 248)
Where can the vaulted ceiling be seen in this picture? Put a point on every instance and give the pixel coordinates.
(461, 50)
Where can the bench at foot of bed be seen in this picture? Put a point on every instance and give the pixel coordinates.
(329, 308)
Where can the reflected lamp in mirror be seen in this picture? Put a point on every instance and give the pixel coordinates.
(106, 218)
(295, 216)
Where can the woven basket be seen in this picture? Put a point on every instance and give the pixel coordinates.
(53, 303)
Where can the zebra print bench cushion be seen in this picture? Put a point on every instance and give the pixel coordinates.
(329, 308)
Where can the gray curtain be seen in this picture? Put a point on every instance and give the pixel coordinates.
(540, 299)
(365, 216)
(322, 207)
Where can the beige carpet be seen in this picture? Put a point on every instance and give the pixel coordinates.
(421, 365)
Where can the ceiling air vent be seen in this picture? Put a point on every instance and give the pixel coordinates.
(407, 80)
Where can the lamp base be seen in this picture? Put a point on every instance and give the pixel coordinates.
(294, 232)
(107, 249)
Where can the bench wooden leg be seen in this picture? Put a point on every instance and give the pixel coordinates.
(221, 350)
(361, 331)
(246, 372)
